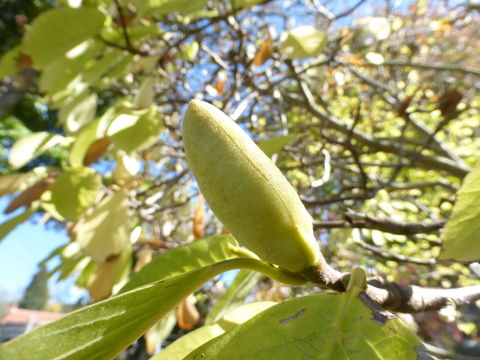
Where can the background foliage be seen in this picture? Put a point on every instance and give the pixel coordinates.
(370, 109)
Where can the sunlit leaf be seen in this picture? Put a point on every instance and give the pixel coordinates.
(10, 224)
(163, 7)
(328, 326)
(303, 42)
(235, 295)
(145, 94)
(74, 191)
(13, 182)
(29, 147)
(191, 50)
(9, 62)
(183, 346)
(460, 236)
(58, 30)
(136, 130)
(106, 232)
(78, 112)
(184, 258)
(103, 330)
(275, 144)
(159, 332)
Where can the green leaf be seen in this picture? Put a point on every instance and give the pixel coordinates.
(328, 326)
(144, 97)
(8, 62)
(56, 31)
(303, 42)
(13, 182)
(74, 191)
(460, 236)
(275, 144)
(78, 112)
(189, 342)
(9, 225)
(165, 7)
(106, 232)
(235, 295)
(135, 130)
(191, 50)
(175, 261)
(103, 330)
(29, 147)
(59, 75)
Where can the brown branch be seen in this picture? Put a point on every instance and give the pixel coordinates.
(396, 297)
(129, 46)
(382, 224)
(388, 255)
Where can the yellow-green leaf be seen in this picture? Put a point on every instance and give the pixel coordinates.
(106, 232)
(303, 42)
(58, 30)
(8, 62)
(275, 144)
(136, 130)
(29, 147)
(74, 191)
(460, 236)
(327, 326)
(187, 343)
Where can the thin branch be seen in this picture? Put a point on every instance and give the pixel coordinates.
(389, 255)
(431, 66)
(129, 46)
(383, 224)
(425, 161)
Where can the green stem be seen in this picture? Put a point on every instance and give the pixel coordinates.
(262, 267)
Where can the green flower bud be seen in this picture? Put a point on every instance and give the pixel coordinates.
(246, 191)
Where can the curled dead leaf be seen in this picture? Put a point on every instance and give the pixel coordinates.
(187, 314)
(96, 150)
(264, 52)
(30, 195)
(199, 219)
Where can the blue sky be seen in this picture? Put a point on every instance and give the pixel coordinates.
(21, 251)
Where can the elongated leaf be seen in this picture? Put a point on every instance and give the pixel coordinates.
(61, 73)
(75, 191)
(103, 330)
(78, 112)
(29, 147)
(185, 258)
(235, 295)
(460, 236)
(135, 130)
(28, 196)
(275, 144)
(56, 31)
(13, 182)
(303, 42)
(12, 223)
(183, 346)
(327, 326)
(106, 232)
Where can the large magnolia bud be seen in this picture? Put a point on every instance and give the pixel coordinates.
(246, 191)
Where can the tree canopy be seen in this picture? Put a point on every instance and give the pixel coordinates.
(370, 109)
